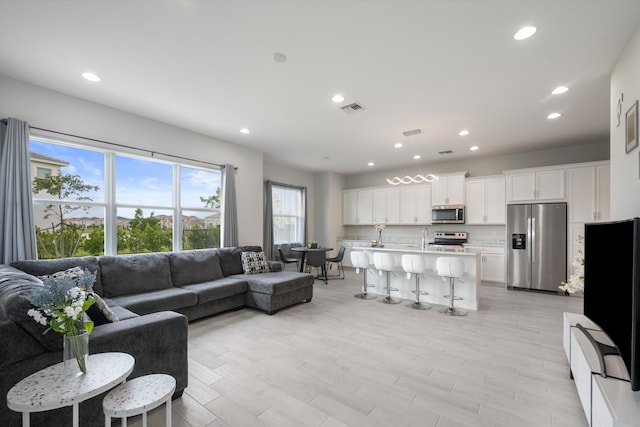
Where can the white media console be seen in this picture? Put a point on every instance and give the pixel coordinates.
(607, 399)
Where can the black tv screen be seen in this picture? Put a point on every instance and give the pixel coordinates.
(612, 286)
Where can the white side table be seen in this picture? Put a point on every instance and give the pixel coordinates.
(138, 396)
(49, 388)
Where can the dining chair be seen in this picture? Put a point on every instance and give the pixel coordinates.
(318, 259)
(287, 260)
(337, 260)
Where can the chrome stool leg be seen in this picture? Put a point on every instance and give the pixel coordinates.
(365, 285)
(388, 299)
(417, 305)
(451, 310)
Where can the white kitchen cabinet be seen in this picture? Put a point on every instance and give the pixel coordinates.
(415, 205)
(588, 193)
(485, 201)
(357, 207)
(386, 205)
(492, 263)
(535, 185)
(449, 189)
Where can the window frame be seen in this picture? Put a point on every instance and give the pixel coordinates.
(110, 206)
(301, 217)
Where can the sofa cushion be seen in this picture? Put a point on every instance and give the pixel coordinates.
(254, 262)
(99, 312)
(276, 283)
(50, 266)
(195, 266)
(218, 289)
(15, 285)
(231, 259)
(154, 301)
(133, 274)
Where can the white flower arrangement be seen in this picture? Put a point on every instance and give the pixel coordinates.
(379, 227)
(61, 303)
(576, 281)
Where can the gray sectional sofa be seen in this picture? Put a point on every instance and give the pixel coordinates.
(153, 295)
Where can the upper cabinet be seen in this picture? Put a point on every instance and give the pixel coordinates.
(386, 205)
(485, 201)
(588, 192)
(535, 185)
(415, 205)
(449, 189)
(357, 207)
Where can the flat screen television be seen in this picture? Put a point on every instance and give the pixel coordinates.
(612, 286)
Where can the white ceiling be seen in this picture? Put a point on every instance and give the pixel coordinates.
(438, 66)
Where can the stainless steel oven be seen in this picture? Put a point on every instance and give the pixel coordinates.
(448, 214)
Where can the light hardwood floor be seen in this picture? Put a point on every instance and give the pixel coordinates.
(341, 361)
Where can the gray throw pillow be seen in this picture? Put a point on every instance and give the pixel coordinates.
(254, 262)
(99, 312)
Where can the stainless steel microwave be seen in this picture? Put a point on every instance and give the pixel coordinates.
(447, 214)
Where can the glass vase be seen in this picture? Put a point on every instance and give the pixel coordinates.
(75, 351)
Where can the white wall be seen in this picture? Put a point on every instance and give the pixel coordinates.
(52, 110)
(625, 168)
(329, 208)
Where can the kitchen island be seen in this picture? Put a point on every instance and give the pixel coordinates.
(467, 287)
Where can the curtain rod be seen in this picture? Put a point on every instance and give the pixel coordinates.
(130, 147)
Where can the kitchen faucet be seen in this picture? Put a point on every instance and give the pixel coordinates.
(425, 235)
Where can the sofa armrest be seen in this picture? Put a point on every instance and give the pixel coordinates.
(157, 341)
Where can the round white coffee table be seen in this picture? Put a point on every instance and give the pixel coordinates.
(138, 396)
(49, 388)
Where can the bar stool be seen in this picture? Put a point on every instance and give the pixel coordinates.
(384, 263)
(360, 260)
(451, 268)
(416, 264)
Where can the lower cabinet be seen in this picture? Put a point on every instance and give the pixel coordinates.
(492, 263)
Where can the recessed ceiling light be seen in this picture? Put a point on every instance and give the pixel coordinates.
(279, 57)
(559, 90)
(337, 98)
(245, 130)
(416, 157)
(397, 145)
(370, 164)
(524, 33)
(91, 77)
(553, 116)
(474, 148)
(464, 132)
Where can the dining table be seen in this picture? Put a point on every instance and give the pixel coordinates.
(303, 253)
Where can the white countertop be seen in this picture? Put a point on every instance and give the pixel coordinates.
(416, 250)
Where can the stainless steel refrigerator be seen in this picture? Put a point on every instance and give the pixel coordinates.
(537, 246)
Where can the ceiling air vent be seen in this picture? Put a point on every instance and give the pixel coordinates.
(412, 132)
(352, 108)
(445, 152)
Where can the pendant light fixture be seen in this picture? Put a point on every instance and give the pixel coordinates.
(417, 179)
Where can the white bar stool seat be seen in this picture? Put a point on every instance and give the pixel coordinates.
(451, 268)
(138, 396)
(360, 260)
(384, 263)
(416, 264)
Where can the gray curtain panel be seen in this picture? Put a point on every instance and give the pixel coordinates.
(17, 225)
(267, 243)
(230, 218)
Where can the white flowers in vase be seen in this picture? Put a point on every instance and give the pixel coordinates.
(379, 227)
(576, 281)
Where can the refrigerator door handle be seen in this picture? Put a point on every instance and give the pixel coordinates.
(532, 239)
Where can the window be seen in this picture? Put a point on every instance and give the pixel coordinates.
(42, 172)
(80, 211)
(288, 214)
